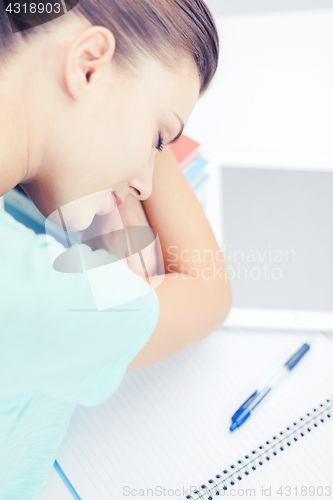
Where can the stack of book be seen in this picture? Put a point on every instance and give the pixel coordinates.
(187, 153)
(185, 150)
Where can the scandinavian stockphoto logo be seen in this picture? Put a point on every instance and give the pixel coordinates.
(100, 246)
(26, 14)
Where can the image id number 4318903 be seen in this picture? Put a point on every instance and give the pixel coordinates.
(304, 491)
(33, 8)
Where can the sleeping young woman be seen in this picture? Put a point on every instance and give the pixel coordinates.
(89, 102)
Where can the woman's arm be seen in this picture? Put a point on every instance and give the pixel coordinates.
(195, 294)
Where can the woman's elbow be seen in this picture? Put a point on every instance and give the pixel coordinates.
(220, 301)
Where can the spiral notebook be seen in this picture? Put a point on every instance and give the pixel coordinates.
(165, 432)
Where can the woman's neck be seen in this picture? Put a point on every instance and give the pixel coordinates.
(11, 168)
(14, 130)
(13, 146)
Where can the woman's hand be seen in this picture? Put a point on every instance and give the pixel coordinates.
(110, 232)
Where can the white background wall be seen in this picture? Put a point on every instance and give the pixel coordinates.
(272, 99)
(242, 6)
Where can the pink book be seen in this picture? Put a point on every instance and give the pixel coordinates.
(185, 150)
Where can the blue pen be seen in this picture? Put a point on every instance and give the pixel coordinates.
(246, 409)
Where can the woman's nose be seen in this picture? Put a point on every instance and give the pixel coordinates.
(141, 186)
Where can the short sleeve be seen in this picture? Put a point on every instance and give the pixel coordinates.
(53, 338)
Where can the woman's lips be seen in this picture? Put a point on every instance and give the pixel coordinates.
(115, 201)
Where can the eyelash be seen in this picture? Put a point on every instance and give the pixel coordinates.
(159, 146)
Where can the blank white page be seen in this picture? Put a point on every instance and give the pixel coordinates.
(167, 426)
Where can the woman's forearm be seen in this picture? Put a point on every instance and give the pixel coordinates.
(186, 237)
(195, 294)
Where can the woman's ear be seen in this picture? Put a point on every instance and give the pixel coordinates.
(87, 57)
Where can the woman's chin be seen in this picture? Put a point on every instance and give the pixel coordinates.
(108, 206)
(80, 223)
(72, 222)
(79, 213)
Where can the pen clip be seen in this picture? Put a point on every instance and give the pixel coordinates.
(243, 407)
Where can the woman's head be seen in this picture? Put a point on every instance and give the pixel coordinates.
(102, 86)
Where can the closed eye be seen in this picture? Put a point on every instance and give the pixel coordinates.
(160, 143)
(181, 129)
(159, 146)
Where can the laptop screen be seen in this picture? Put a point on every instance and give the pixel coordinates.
(278, 237)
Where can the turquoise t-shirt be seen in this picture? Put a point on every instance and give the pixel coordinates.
(56, 350)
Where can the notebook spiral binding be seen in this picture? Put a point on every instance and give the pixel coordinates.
(264, 453)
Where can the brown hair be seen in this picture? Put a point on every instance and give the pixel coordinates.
(167, 30)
